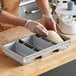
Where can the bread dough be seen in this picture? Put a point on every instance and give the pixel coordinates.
(53, 36)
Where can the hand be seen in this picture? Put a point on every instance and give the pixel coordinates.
(49, 22)
(37, 28)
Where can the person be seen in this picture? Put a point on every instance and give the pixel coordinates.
(9, 15)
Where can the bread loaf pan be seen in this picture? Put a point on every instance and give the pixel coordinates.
(28, 49)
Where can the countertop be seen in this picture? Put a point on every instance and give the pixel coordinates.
(9, 67)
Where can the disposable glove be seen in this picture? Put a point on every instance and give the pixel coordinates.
(37, 28)
(49, 22)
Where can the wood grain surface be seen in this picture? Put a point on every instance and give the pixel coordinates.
(9, 67)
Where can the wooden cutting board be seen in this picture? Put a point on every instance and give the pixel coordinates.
(9, 67)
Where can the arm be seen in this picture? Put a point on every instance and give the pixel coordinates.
(43, 6)
(33, 26)
(48, 20)
(11, 19)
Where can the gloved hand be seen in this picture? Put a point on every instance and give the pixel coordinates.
(49, 22)
(37, 28)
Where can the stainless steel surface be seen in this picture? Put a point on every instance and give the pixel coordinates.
(29, 10)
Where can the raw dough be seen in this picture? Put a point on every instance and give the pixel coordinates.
(53, 36)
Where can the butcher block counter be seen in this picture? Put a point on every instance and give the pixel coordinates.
(9, 67)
